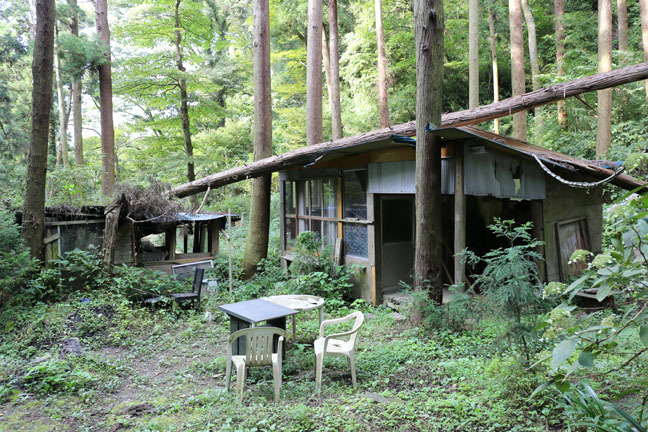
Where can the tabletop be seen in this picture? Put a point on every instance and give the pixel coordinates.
(299, 302)
(256, 311)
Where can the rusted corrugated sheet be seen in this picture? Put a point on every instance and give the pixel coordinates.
(399, 177)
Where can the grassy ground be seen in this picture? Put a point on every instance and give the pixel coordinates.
(144, 370)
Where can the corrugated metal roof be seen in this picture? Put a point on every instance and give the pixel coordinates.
(190, 217)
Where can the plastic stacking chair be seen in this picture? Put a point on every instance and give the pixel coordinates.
(331, 345)
(258, 352)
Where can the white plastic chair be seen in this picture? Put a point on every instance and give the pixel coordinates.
(333, 346)
(258, 352)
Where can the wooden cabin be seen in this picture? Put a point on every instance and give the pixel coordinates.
(364, 195)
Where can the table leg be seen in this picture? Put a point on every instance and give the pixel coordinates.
(294, 328)
(281, 323)
(238, 346)
(321, 315)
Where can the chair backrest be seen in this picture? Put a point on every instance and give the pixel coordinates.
(198, 279)
(258, 344)
(359, 319)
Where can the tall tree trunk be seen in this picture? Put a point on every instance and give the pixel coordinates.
(493, 46)
(604, 112)
(42, 65)
(63, 143)
(535, 66)
(382, 66)
(559, 12)
(314, 73)
(622, 24)
(334, 55)
(77, 119)
(473, 54)
(643, 5)
(428, 29)
(326, 61)
(256, 246)
(105, 104)
(517, 66)
(184, 106)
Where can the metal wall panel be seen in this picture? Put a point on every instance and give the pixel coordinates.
(399, 177)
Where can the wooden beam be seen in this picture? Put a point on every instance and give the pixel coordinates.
(306, 155)
(459, 215)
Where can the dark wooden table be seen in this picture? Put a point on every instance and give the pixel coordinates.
(252, 313)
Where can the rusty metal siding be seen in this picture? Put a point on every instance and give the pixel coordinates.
(500, 175)
(399, 177)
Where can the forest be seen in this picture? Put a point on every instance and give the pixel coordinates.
(120, 104)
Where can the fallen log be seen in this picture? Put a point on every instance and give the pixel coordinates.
(306, 155)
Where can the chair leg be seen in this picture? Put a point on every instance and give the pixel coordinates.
(240, 380)
(353, 371)
(228, 374)
(276, 377)
(319, 363)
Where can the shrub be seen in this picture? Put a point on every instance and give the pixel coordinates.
(510, 279)
(15, 262)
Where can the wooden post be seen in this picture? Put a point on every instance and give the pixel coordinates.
(538, 234)
(229, 246)
(214, 238)
(170, 240)
(459, 215)
(110, 235)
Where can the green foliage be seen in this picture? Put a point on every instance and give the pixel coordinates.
(510, 279)
(57, 376)
(15, 262)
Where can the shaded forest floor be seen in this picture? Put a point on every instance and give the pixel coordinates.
(144, 371)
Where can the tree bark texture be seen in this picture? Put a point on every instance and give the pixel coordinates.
(314, 73)
(493, 47)
(533, 59)
(382, 66)
(42, 68)
(326, 61)
(428, 30)
(105, 104)
(256, 246)
(643, 5)
(517, 66)
(459, 215)
(473, 54)
(184, 104)
(622, 24)
(307, 155)
(77, 119)
(604, 112)
(63, 118)
(334, 57)
(559, 13)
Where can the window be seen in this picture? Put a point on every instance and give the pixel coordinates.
(354, 189)
(310, 205)
(355, 194)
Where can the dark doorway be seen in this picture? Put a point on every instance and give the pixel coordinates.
(397, 241)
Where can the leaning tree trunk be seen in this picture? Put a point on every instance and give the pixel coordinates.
(314, 73)
(428, 30)
(517, 66)
(105, 104)
(256, 245)
(306, 155)
(184, 105)
(533, 59)
(42, 65)
(643, 4)
(77, 119)
(559, 12)
(604, 112)
(382, 66)
(63, 118)
(493, 45)
(473, 53)
(334, 54)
